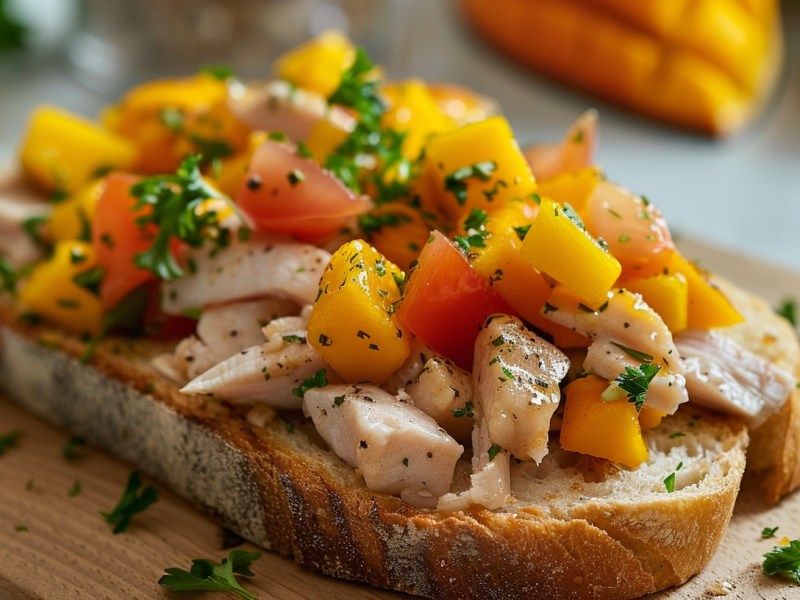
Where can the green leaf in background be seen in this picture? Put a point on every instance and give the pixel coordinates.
(13, 34)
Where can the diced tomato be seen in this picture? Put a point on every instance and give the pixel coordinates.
(634, 229)
(574, 152)
(117, 238)
(446, 300)
(289, 194)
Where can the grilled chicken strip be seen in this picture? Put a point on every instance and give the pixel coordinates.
(724, 375)
(227, 329)
(398, 448)
(268, 373)
(258, 267)
(622, 326)
(516, 382)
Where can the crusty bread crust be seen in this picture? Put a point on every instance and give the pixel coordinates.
(285, 491)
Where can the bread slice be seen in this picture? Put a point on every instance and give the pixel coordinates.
(578, 528)
(773, 461)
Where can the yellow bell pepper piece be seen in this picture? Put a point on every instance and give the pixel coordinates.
(397, 231)
(72, 217)
(668, 295)
(414, 111)
(707, 307)
(318, 64)
(704, 64)
(512, 276)
(607, 430)
(562, 249)
(351, 324)
(574, 187)
(52, 291)
(478, 165)
(62, 151)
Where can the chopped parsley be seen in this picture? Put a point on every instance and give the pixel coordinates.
(75, 489)
(206, 576)
(522, 231)
(33, 227)
(8, 277)
(294, 339)
(90, 279)
(176, 202)
(669, 482)
(371, 223)
(456, 182)
(318, 380)
(494, 449)
(467, 411)
(131, 503)
(768, 532)
(475, 229)
(9, 440)
(634, 382)
(784, 561)
(633, 353)
(221, 72)
(70, 451)
(788, 310)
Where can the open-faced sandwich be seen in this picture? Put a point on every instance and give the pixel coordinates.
(353, 321)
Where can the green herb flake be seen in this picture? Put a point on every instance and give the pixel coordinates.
(522, 231)
(788, 310)
(494, 449)
(784, 561)
(635, 381)
(221, 72)
(207, 576)
(70, 451)
(467, 411)
(75, 489)
(20, 528)
(676, 434)
(634, 354)
(132, 502)
(293, 339)
(498, 341)
(9, 440)
(318, 380)
(768, 532)
(669, 482)
(456, 182)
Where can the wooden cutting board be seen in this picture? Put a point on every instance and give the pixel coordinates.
(54, 545)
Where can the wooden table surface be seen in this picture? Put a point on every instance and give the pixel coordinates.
(55, 546)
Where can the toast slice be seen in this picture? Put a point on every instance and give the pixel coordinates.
(278, 486)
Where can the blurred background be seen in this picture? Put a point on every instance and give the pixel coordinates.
(741, 192)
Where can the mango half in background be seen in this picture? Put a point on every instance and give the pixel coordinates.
(706, 65)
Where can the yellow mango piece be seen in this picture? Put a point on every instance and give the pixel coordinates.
(326, 136)
(574, 187)
(414, 111)
(707, 307)
(557, 246)
(478, 165)
(61, 151)
(318, 64)
(462, 104)
(512, 276)
(170, 118)
(707, 65)
(351, 324)
(52, 292)
(650, 418)
(668, 295)
(607, 430)
(397, 231)
(72, 217)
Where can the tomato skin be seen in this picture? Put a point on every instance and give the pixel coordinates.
(117, 238)
(634, 229)
(446, 300)
(288, 194)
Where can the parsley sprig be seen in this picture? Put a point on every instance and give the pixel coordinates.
(318, 380)
(207, 576)
(784, 560)
(131, 503)
(176, 202)
(633, 384)
(788, 310)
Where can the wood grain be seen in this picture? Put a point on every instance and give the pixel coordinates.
(68, 551)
